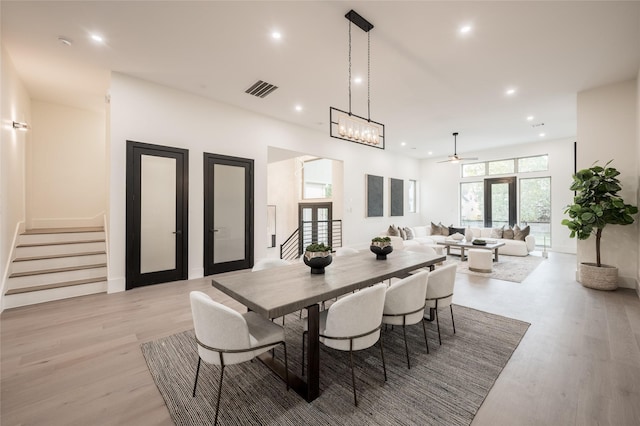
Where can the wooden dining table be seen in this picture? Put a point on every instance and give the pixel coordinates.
(279, 291)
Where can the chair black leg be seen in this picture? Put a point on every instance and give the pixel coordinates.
(438, 324)
(384, 366)
(452, 322)
(195, 383)
(286, 365)
(424, 329)
(215, 422)
(303, 335)
(406, 347)
(353, 378)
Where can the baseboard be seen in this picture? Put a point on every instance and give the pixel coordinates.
(196, 273)
(627, 282)
(116, 285)
(5, 274)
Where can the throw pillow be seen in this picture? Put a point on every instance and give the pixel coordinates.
(520, 234)
(508, 233)
(410, 234)
(444, 230)
(453, 230)
(402, 233)
(497, 232)
(435, 229)
(393, 231)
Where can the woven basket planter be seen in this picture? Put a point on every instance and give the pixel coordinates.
(604, 277)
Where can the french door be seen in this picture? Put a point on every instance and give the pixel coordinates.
(228, 213)
(500, 202)
(156, 214)
(314, 224)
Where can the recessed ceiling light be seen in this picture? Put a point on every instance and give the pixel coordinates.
(542, 135)
(298, 107)
(511, 92)
(403, 144)
(357, 80)
(430, 153)
(529, 118)
(276, 35)
(97, 38)
(465, 29)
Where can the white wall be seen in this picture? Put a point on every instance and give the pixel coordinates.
(16, 106)
(147, 112)
(608, 130)
(440, 184)
(66, 168)
(638, 169)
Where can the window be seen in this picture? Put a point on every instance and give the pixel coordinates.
(472, 204)
(475, 169)
(412, 196)
(535, 207)
(533, 164)
(501, 167)
(317, 178)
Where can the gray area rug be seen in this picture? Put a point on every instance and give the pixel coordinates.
(509, 268)
(445, 387)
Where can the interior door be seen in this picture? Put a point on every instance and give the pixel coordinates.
(314, 224)
(500, 202)
(228, 213)
(157, 214)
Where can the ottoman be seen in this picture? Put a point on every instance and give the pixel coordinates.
(480, 260)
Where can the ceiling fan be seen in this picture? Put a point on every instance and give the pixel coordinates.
(455, 158)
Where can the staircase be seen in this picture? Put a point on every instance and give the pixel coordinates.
(52, 264)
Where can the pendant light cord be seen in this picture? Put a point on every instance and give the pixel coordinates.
(369, 76)
(349, 67)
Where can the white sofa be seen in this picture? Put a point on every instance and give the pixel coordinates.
(422, 235)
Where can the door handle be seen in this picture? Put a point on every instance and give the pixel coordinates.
(214, 230)
(177, 232)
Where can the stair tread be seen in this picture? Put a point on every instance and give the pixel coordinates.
(37, 231)
(58, 243)
(55, 285)
(55, 270)
(58, 256)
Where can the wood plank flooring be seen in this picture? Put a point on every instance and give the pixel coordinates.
(78, 361)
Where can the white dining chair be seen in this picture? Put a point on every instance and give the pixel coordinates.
(404, 305)
(440, 292)
(352, 324)
(225, 337)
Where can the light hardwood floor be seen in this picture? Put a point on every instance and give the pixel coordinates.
(78, 361)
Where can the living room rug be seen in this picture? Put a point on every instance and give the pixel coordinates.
(445, 387)
(508, 268)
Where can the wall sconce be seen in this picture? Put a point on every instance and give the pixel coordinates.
(20, 126)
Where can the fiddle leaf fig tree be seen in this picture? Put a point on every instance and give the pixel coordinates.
(596, 204)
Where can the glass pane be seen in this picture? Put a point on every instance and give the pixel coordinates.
(411, 198)
(499, 204)
(501, 167)
(307, 227)
(535, 208)
(472, 204)
(476, 169)
(228, 213)
(157, 213)
(317, 178)
(533, 164)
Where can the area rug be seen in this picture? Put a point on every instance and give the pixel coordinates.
(508, 268)
(445, 387)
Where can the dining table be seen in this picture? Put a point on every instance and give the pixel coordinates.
(279, 291)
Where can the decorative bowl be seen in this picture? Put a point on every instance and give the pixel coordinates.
(478, 242)
(317, 260)
(381, 251)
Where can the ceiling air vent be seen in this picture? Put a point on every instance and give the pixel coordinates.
(261, 89)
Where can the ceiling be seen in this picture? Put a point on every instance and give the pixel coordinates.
(427, 79)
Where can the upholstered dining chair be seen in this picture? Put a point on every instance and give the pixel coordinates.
(268, 264)
(352, 324)
(440, 292)
(404, 305)
(225, 337)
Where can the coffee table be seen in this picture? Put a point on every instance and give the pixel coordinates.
(462, 245)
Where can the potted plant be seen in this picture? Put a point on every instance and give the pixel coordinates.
(317, 256)
(595, 205)
(381, 246)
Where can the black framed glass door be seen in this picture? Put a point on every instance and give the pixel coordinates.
(500, 202)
